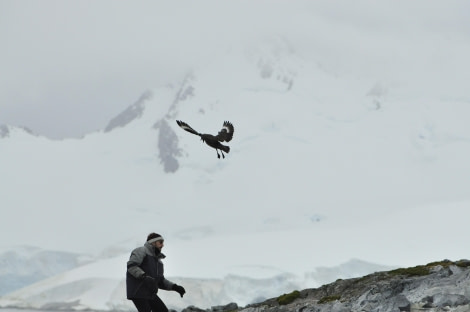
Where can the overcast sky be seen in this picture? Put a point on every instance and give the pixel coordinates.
(67, 67)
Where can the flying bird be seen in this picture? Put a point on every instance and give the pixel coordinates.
(225, 134)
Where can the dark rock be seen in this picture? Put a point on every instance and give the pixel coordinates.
(4, 131)
(129, 114)
(168, 148)
(225, 308)
(193, 309)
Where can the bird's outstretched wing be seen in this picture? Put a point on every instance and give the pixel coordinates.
(226, 133)
(186, 127)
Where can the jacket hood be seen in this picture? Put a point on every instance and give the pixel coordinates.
(151, 250)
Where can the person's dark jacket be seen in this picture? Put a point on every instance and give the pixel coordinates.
(144, 265)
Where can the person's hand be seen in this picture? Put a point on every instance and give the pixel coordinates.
(179, 289)
(150, 283)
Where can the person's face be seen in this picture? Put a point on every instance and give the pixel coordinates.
(159, 244)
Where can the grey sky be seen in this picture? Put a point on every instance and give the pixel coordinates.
(67, 67)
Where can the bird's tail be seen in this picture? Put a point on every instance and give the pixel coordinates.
(226, 149)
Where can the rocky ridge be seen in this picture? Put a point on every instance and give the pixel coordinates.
(437, 286)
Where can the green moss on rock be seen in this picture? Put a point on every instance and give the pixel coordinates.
(419, 270)
(443, 263)
(447, 263)
(329, 299)
(422, 270)
(463, 263)
(288, 298)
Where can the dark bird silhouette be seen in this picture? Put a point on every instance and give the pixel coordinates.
(225, 134)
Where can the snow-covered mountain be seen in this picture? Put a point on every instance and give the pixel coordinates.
(325, 165)
(25, 265)
(96, 286)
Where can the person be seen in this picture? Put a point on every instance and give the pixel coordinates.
(145, 276)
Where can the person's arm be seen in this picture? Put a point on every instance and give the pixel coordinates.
(166, 284)
(135, 260)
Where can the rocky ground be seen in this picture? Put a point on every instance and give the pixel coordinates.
(437, 286)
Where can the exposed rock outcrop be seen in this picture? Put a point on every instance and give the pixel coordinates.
(132, 112)
(438, 286)
(4, 131)
(167, 146)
